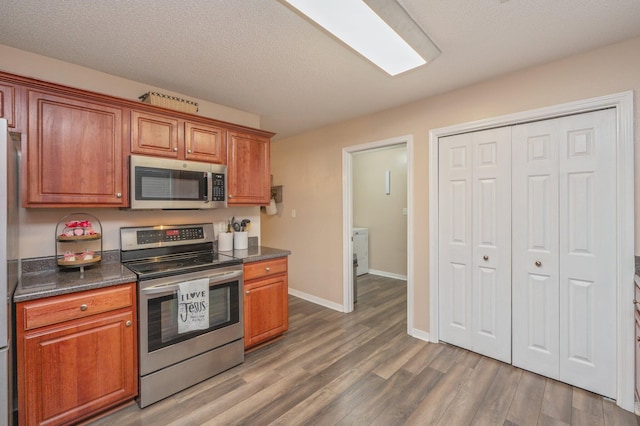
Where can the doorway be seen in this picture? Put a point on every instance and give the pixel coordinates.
(348, 215)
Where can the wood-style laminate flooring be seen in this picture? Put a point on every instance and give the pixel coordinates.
(363, 369)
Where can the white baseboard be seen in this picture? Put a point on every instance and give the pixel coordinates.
(388, 274)
(317, 300)
(419, 334)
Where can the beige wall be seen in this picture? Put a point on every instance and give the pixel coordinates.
(38, 225)
(382, 213)
(309, 166)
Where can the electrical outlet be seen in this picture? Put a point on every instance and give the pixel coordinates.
(293, 213)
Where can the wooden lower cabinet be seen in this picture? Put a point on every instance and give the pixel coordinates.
(82, 361)
(266, 310)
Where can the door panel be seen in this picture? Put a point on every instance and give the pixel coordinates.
(587, 164)
(535, 248)
(455, 242)
(564, 266)
(475, 262)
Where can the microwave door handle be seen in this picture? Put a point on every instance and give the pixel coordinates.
(209, 191)
(213, 279)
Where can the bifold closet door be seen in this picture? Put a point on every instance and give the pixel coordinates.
(564, 251)
(475, 242)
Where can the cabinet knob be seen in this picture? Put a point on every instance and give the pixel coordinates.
(538, 263)
(247, 292)
(189, 151)
(127, 324)
(230, 196)
(267, 269)
(119, 195)
(175, 149)
(638, 339)
(485, 257)
(635, 302)
(83, 307)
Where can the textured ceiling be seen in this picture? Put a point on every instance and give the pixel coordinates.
(262, 57)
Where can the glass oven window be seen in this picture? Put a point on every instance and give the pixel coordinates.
(163, 314)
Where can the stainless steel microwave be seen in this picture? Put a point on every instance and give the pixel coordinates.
(161, 183)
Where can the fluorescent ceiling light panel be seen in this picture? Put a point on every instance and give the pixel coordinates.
(356, 24)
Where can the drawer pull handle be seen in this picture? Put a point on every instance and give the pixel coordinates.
(485, 257)
(128, 323)
(83, 307)
(538, 263)
(267, 269)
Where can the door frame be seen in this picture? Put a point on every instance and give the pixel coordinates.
(347, 220)
(625, 263)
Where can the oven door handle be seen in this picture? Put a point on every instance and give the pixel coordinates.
(213, 279)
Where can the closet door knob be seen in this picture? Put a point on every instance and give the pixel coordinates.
(485, 257)
(538, 263)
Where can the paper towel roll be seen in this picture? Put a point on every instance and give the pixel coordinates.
(225, 241)
(271, 208)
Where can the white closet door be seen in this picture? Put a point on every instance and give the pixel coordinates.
(455, 243)
(564, 249)
(475, 253)
(587, 167)
(536, 321)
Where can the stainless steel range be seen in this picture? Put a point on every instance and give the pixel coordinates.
(190, 307)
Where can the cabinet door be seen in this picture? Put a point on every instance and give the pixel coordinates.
(7, 104)
(266, 309)
(475, 243)
(77, 369)
(74, 153)
(153, 134)
(249, 181)
(205, 143)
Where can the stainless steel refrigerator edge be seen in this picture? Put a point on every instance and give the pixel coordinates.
(9, 263)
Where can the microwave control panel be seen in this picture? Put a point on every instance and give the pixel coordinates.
(218, 192)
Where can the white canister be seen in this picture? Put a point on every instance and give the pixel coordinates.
(240, 240)
(225, 241)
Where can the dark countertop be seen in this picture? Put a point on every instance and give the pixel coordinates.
(42, 278)
(257, 253)
(54, 282)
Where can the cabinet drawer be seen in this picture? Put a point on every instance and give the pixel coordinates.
(265, 268)
(53, 310)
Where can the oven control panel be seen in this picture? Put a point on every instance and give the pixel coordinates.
(164, 235)
(170, 234)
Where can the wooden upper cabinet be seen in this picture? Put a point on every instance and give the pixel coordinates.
(205, 143)
(153, 134)
(7, 104)
(165, 136)
(74, 152)
(248, 172)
